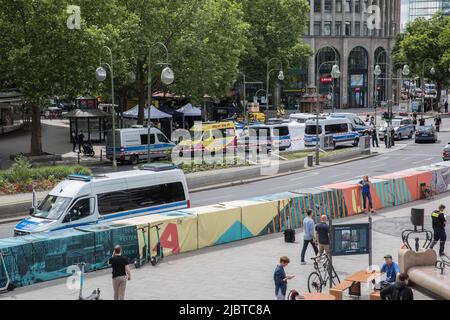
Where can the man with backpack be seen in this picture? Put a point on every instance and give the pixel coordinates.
(398, 290)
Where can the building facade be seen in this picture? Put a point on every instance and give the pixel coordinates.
(427, 8)
(348, 31)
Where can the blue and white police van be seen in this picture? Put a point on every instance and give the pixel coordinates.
(340, 130)
(360, 126)
(81, 200)
(132, 145)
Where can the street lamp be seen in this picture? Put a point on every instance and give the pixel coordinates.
(100, 75)
(167, 77)
(432, 71)
(335, 74)
(335, 64)
(377, 72)
(280, 77)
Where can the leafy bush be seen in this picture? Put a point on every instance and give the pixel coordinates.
(21, 177)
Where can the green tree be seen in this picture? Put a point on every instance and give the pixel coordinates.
(276, 30)
(42, 57)
(424, 40)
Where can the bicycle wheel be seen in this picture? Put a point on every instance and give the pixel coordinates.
(314, 283)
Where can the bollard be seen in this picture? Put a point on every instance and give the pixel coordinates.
(310, 160)
(54, 159)
(101, 155)
(78, 157)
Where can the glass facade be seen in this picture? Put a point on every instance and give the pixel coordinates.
(426, 8)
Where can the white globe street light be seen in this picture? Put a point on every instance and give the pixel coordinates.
(406, 70)
(433, 71)
(335, 72)
(167, 76)
(281, 75)
(377, 71)
(100, 74)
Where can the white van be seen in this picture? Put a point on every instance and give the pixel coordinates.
(132, 146)
(278, 134)
(81, 200)
(301, 117)
(340, 129)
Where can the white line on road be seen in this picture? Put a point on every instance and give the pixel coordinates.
(424, 160)
(307, 175)
(378, 160)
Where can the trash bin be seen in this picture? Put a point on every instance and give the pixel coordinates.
(310, 160)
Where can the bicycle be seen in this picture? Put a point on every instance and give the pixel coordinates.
(321, 276)
(427, 192)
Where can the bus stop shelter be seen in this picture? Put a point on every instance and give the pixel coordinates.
(94, 124)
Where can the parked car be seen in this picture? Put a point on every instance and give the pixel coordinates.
(403, 128)
(446, 153)
(426, 134)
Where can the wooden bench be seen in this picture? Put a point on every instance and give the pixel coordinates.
(376, 295)
(338, 291)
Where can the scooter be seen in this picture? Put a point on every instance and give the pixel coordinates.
(88, 150)
(139, 262)
(8, 285)
(159, 249)
(95, 294)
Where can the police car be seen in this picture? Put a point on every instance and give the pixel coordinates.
(403, 128)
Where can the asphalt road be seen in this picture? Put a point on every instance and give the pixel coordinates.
(413, 155)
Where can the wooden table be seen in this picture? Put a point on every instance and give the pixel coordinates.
(319, 296)
(359, 277)
(363, 276)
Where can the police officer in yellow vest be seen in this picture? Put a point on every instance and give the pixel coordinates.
(439, 221)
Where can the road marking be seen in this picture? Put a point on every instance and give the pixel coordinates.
(380, 159)
(424, 160)
(307, 175)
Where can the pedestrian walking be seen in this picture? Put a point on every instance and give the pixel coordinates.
(439, 222)
(421, 121)
(392, 136)
(74, 141)
(120, 273)
(323, 235)
(372, 120)
(398, 291)
(308, 237)
(414, 121)
(374, 135)
(367, 196)
(437, 123)
(80, 141)
(280, 278)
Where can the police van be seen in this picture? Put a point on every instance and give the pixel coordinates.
(340, 131)
(81, 200)
(132, 145)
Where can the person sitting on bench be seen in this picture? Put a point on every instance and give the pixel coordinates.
(398, 290)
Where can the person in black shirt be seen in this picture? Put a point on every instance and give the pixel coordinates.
(439, 221)
(323, 235)
(421, 121)
(374, 135)
(398, 290)
(120, 273)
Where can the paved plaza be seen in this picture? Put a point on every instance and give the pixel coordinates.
(241, 270)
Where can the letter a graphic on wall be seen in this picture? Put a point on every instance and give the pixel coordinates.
(169, 238)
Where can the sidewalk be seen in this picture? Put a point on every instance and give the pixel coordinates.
(238, 271)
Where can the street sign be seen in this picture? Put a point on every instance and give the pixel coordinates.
(350, 239)
(326, 80)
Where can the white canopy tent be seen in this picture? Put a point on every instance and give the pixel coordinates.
(190, 111)
(155, 114)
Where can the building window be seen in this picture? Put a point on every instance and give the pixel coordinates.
(348, 28)
(358, 6)
(317, 28)
(366, 29)
(338, 4)
(317, 5)
(357, 28)
(328, 6)
(338, 28)
(348, 6)
(327, 28)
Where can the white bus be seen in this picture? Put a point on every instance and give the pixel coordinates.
(81, 200)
